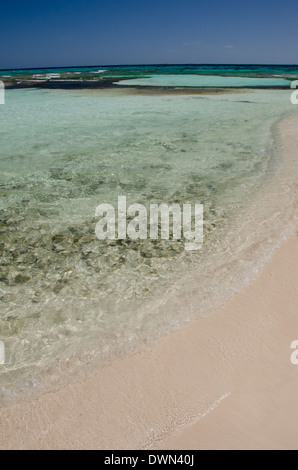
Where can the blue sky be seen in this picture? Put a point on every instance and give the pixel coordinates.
(77, 32)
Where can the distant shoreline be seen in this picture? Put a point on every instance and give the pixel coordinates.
(107, 77)
(113, 84)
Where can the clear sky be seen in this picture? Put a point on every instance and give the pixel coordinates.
(105, 32)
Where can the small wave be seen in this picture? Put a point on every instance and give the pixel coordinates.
(49, 76)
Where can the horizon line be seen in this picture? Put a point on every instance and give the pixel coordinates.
(150, 64)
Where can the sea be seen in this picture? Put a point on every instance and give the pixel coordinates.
(70, 302)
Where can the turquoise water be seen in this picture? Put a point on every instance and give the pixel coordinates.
(198, 69)
(70, 301)
(207, 81)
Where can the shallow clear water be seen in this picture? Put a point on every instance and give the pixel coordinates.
(69, 301)
(206, 81)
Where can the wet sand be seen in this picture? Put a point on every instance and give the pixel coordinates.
(261, 409)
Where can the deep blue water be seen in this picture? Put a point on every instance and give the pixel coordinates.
(201, 69)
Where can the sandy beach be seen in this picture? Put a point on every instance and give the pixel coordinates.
(221, 382)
